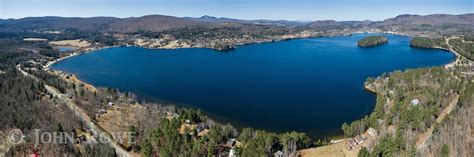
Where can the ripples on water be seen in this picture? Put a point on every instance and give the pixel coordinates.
(308, 85)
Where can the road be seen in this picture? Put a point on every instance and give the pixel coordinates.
(427, 135)
(87, 120)
(450, 48)
(79, 112)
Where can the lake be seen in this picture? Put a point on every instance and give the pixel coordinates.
(308, 85)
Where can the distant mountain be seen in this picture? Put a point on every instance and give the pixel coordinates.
(59, 23)
(434, 19)
(411, 22)
(207, 18)
(156, 23)
(325, 23)
(442, 23)
(281, 22)
(152, 23)
(331, 24)
(212, 19)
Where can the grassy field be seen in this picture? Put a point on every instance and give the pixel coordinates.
(336, 150)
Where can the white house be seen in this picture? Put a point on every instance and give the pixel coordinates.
(372, 132)
(232, 153)
(414, 102)
(278, 154)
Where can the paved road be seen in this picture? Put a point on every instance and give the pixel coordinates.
(79, 112)
(423, 138)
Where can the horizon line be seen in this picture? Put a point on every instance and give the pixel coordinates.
(124, 17)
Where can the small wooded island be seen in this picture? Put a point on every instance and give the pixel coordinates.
(372, 41)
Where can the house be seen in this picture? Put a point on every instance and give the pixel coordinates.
(170, 115)
(102, 111)
(351, 143)
(175, 116)
(349, 146)
(358, 139)
(278, 154)
(111, 103)
(187, 121)
(232, 153)
(414, 102)
(372, 132)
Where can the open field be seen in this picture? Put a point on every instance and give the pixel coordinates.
(75, 43)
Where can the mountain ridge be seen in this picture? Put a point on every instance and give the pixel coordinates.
(157, 23)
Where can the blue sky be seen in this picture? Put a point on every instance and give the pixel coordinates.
(243, 9)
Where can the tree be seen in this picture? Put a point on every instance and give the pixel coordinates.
(246, 134)
(59, 128)
(132, 129)
(445, 151)
(363, 152)
(165, 153)
(133, 132)
(321, 142)
(147, 149)
(346, 128)
(210, 151)
(399, 140)
(82, 92)
(372, 41)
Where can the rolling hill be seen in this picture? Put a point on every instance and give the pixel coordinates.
(157, 23)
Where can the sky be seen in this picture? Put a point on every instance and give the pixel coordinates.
(303, 10)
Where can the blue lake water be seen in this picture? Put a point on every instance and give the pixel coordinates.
(307, 85)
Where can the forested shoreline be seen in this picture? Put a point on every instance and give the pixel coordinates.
(402, 124)
(160, 135)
